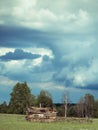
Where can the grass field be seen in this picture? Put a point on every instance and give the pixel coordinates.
(18, 122)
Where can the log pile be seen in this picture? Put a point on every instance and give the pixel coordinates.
(40, 114)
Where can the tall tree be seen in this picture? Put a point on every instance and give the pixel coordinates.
(89, 105)
(45, 99)
(81, 108)
(85, 107)
(20, 98)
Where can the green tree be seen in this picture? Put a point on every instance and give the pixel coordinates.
(33, 100)
(45, 99)
(72, 111)
(20, 98)
(3, 107)
(61, 111)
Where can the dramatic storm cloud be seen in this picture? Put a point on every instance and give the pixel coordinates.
(18, 55)
(50, 44)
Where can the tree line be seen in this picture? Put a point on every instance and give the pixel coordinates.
(21, 98)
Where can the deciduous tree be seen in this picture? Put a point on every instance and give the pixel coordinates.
(81, 107)
(89, 105)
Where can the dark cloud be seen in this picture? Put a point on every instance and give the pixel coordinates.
(46, 66)
(13, 36)
(69, 33)
(19, 54)
(90, 87)
(69, 52)
(17, 36)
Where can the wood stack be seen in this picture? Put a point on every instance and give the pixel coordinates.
(40, 114)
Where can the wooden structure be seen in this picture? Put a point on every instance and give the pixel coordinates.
(40, 114)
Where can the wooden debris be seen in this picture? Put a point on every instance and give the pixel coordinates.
(41, 114)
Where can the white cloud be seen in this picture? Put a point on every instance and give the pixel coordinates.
(13, 65)
(40, 51)
(3, 51)
(83, 17)
(27, 4)
(45, 16)
(28, 69)
(1, 22)
(83, 76)
(5, 81)
(72, 45)
(79, 60)
(49, 86)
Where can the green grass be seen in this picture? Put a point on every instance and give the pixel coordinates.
(18, 122)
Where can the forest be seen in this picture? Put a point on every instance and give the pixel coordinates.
(21, 98)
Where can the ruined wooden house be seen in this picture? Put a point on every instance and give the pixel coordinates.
(40, 114)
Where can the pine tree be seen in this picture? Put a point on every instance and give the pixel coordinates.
(45, 99)
(20, 98)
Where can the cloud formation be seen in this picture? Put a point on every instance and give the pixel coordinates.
(55, 15)
(57, 43)
(19, 54)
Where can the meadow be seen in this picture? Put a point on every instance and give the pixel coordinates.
(18, 122)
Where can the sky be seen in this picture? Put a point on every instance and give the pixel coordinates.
(50, 44)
